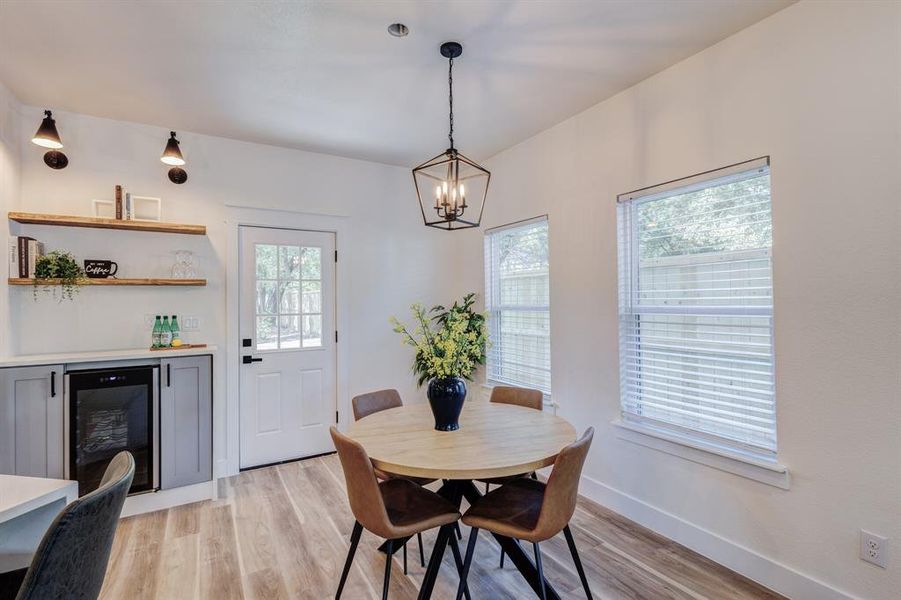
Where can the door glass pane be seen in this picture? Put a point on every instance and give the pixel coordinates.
(266, 297)
(289, 262)
(267, 263)
(288, 296)
(311, 261)
(289, 331)
(312, 296)
(312, 330)
(267, 333)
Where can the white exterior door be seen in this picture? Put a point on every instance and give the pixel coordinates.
(288, 358)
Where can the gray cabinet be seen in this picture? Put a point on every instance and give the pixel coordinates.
(31, 421)
(186, 421)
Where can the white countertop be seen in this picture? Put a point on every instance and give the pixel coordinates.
(19, 495)
(27, 360)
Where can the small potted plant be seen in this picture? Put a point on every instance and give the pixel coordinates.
(450, 343)
(58, 265)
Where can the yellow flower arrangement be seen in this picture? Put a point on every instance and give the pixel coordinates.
(449, 342)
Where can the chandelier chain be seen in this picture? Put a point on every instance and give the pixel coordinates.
(450, 99)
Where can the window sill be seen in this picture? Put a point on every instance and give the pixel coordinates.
(770, 473)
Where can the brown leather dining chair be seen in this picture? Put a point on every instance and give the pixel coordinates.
(517, 396)
(395, 509)
(373, 402)
(532, 511)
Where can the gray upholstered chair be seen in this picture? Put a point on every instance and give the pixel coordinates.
(71, 560)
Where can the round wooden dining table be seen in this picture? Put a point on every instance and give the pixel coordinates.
(494, 440)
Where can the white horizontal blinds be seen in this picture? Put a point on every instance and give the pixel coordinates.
(517, 298)
(696, 308)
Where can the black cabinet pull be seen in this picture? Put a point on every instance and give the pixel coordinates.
(249, 359)
(168, 374)
(53, 384)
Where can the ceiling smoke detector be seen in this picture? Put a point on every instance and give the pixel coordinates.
(398, 29)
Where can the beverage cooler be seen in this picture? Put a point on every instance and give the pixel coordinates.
(107, 411)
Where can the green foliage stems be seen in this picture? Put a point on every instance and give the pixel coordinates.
(58, 265)
(449, 342)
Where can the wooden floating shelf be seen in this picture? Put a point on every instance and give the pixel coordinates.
(166, 282)
(101, 223)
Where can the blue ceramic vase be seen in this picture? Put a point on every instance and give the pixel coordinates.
(446, 396)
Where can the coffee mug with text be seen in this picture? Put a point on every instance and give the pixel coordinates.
(100, 269)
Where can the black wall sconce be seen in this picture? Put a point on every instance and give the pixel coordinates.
(48, 137)
(172, 156)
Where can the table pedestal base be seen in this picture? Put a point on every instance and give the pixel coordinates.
(455, 491)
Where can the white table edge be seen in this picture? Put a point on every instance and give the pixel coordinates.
(47, 491)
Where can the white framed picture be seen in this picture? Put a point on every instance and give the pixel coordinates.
(104, 208)
(146, 208)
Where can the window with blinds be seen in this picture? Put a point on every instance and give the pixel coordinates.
(696, 309)
(518, 301)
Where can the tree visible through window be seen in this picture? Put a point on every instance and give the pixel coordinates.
(518, 301)
(289, 296)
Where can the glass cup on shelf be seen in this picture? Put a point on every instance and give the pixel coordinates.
(184, 265)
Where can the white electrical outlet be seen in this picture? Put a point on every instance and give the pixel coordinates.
(190, 323)
(873, 548)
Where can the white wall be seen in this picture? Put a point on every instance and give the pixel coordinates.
(816, 87)
(10, 167)
(390, 255)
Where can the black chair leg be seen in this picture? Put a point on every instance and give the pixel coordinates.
(504, 554)
(534, 475)
(455, 549)
(470, 550)
(487, 485)
(421, 550)
(431, 572)
(405, 558)
(572, 549)
(540, 571)
(459, 532)
(354, 540)
(388, 557)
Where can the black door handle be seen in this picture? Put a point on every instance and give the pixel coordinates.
(249, 359)
(53, 384)
(168, 374)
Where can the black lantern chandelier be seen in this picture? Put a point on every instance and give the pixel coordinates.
(451, 184)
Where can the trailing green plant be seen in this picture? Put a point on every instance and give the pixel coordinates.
(449, 342)
(59, 265)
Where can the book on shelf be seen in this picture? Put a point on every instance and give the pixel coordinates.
(23, 256)
(119, 202)
(14, 256)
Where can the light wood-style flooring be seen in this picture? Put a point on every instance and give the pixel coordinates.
(283, 532)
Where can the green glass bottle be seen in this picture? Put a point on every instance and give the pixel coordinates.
(157, 332)
(176, 332)
(166, 333)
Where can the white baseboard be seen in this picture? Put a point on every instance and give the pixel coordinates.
(765, 571)
(144, 503)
